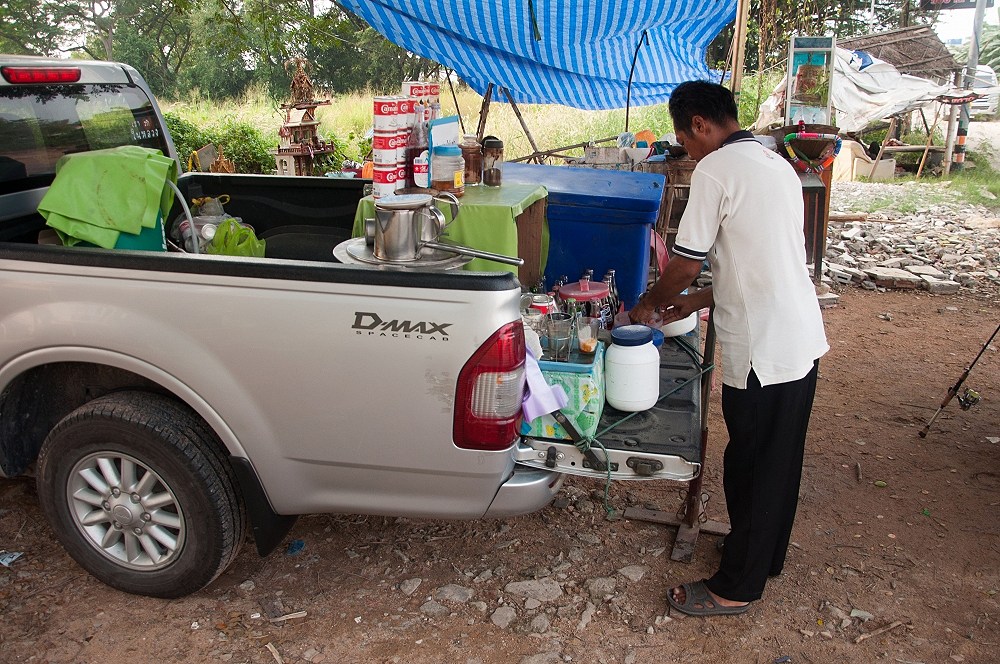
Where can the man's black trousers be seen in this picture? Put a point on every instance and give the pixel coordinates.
(762, 468)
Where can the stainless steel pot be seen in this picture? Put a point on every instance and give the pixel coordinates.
(403, 223)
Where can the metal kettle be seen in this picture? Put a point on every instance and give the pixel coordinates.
(404, 223)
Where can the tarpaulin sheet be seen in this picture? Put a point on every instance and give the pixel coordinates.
(572, 52)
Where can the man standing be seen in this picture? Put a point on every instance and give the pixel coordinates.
(745, 215)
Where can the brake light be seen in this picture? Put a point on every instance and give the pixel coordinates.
(41, 74)
(490, 388)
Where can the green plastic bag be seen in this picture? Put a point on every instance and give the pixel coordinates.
(232, 239)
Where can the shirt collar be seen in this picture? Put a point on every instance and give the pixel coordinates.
(736, 136)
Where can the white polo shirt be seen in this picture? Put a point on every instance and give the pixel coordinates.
(745, 214)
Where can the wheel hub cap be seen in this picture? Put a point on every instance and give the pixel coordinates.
(125, 510)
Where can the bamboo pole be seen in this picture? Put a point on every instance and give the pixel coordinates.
(888, 135)
(484, 111)
(930, 139)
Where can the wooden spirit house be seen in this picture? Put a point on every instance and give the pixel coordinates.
(300, 145)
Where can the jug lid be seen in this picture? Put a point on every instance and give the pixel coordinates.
(403, 201)
(631, 335)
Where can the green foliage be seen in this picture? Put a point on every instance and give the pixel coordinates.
(187, 137)
(240, 141)
(245, 145)
(989, 48)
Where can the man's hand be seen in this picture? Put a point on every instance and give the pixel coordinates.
(644, 312)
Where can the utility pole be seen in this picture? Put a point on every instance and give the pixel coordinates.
(970, 73)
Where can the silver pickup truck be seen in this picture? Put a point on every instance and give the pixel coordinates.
(168, 402)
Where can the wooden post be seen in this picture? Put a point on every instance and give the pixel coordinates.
(740, 44)
(484, 110)
(888, 134)
(524, 125)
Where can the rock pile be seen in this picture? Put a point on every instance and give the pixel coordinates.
(924, 236)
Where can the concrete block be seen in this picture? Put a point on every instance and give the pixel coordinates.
(827, 300)
(928, 270)
(939, 286)
(899, 261)
(891, 277)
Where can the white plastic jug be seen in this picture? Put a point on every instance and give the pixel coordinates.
(632, 369)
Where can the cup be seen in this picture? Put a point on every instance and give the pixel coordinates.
(535, 320)
(586, 334)
(560, 329)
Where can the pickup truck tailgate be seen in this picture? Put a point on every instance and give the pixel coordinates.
(662, 443)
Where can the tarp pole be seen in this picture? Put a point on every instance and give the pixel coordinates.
(628, 94)
(524, 126)
(454, 98)
(484, 110)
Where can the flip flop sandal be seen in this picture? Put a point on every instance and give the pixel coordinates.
(699, 602)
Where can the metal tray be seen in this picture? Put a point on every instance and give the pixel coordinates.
(356, 251)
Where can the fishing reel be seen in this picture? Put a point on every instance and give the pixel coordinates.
(968, 398)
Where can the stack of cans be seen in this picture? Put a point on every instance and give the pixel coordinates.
(393, 120)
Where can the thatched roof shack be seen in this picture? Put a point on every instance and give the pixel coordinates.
(914, 50)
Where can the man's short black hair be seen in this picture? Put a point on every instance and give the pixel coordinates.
(709, 100)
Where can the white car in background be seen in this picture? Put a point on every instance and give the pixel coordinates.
(987, 104)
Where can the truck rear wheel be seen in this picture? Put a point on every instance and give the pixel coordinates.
(139, 492)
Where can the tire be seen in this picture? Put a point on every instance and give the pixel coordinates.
(139, 492)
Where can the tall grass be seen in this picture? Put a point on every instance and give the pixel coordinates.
(349, 117)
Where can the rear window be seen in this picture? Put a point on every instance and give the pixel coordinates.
(38, 125)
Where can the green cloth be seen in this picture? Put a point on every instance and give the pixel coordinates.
(98, 195)
(486, 221)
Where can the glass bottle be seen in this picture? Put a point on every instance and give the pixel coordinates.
(472, 152)
(415, 146)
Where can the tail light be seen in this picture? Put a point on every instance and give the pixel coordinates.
(24, 75)
(490, 387)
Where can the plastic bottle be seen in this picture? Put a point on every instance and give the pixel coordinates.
(632, 369)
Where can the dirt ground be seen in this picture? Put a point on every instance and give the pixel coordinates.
(901, 531)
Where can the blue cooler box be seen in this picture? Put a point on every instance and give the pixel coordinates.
(598, 220)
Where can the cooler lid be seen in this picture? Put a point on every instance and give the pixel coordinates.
(588, 187)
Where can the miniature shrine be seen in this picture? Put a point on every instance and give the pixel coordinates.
(300, 145)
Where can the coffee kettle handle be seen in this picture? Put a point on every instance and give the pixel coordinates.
(435, 226)
(451, 199)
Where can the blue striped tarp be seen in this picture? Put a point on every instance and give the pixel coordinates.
(572, 52)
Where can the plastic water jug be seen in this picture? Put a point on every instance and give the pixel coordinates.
(632, 369)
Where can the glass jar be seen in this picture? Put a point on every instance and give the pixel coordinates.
(448, 169)
(492, 152)
(472, 153)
